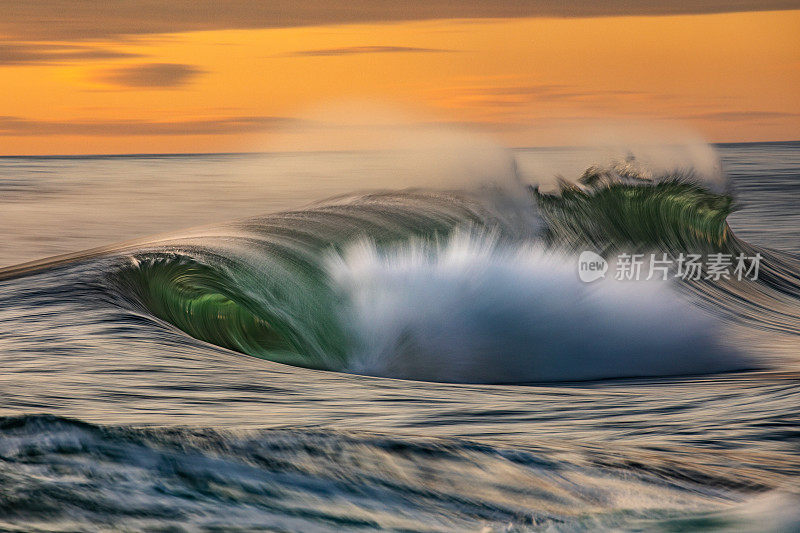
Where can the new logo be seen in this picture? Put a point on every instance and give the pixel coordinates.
(591, 267)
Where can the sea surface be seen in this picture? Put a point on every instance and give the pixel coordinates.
(357, 341)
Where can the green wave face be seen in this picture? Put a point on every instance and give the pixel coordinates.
(672, 214)
(281, 314)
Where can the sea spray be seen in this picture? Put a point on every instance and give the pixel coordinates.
(473, 309)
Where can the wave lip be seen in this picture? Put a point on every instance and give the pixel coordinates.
(473, 310)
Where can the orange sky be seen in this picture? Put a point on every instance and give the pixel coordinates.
(528, 81)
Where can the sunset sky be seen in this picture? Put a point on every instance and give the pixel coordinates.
(142, 76)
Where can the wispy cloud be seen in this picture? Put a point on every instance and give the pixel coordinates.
(157, 75)
(90, 19)
(510, 96)
(16, 53)
(353, 50)
(735, 116)
(555, 92)
(16, 126)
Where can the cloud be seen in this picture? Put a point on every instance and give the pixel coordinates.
(150, 75)
(554, 92)
(16, 126)
(92, 19)
(735, 116)
(509, 96)
(13, 53)
(353, 50)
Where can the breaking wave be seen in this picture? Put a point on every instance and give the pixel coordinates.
(460, 287)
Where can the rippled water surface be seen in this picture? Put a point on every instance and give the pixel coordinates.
(253, 371)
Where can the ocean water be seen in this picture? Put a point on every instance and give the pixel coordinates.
(381, 341)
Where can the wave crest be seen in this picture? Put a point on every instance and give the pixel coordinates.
(623, 206)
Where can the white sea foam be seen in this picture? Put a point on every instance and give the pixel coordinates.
(474, 310)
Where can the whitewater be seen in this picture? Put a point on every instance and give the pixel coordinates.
(294, 350)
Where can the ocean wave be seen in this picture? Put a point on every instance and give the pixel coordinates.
(444, 286)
